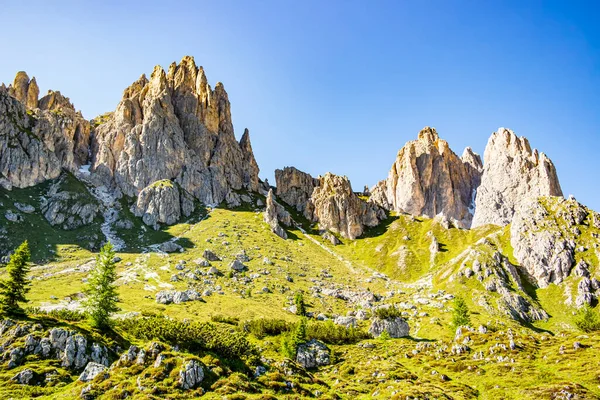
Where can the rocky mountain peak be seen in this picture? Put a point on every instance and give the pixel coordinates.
(25, 90)
(512, 174)
(428, 178)
(428, 135)
(187, 135)
(337, 208)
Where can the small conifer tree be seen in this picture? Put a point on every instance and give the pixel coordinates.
(14, 288)
(300, 306)
(101, 290)
(460, 313)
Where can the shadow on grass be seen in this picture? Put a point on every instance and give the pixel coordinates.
(381, 228)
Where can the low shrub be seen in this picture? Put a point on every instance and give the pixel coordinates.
(330, 333)
(61, 314)
(262, 327)
(223, 319)
(587, 319)
(221, 340)
(387, 313)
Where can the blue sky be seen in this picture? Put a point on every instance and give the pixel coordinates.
(340, 86)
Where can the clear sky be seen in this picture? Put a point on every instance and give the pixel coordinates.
(340, 86)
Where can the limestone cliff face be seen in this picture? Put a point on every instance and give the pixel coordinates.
(295, 187)
(512, 174)
(428, 178)
(337, 208)
(174, 126)
(38, 138)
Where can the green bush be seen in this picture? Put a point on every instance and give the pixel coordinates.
(587, 319)
(223, 319)
(331, 333)
(221, 340)
(62, 314)
(388, 313)
(262, 327)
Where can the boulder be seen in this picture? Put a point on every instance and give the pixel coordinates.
(210, 256)
(191, 375)
(91, 371)
(25, 377)
(163, 202)
(313, 354)
(395, 327)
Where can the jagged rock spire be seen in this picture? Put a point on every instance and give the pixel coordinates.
(512, 174)
(428, 178)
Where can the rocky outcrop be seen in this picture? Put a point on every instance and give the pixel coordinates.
(91, 371)
(69, 209)
(275, 214)
(395, 327)
(428, 178)
(174, 126)
(294, 187)
(163, 202)
(337, 208)
(512, 175)
(176, 297)
(72, 349)
(544, 235)
(313, 354)
(38, 139)
(191, 375)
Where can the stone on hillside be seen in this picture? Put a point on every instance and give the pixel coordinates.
(428, 178)
(25, 377)
(91, 371)
(242, 256)
(202, 263)
(294, 187)
(512, 175)
(337, 208)
(210, 256)
(331, 238)
(396, 327)
(170, 247)
(25, 208)
(237, 266)
(313, 354)
(348, 322)
(176, 297)
(13, 216)
(191, 375)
